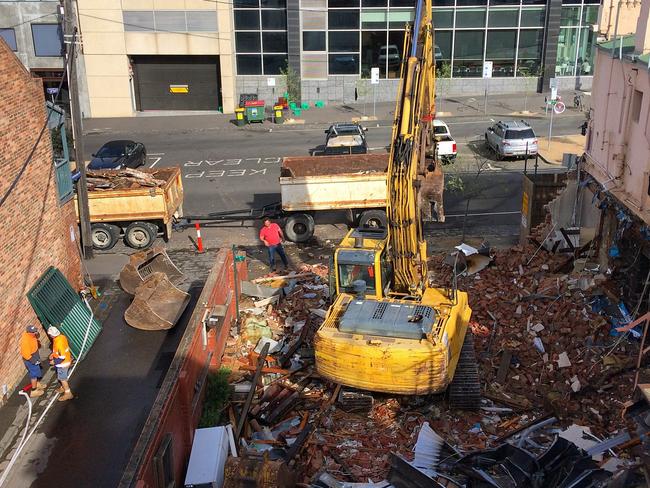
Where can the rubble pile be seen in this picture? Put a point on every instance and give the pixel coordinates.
(540, 345)
(126, 178)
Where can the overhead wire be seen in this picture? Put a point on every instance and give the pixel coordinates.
(28, 21)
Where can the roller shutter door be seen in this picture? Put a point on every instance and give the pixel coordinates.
(177, 82)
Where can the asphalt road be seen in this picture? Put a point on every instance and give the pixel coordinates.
(229, 169)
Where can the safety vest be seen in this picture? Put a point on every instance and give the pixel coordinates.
(28, 345)
(61, 350)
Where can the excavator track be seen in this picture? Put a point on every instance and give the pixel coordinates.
(465, 388)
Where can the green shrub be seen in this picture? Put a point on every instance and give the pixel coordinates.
(217, 397)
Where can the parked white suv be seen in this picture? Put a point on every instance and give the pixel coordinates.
(511, 139)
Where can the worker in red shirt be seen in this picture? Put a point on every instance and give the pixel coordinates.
(61, 359)
(271, 235)
(32, 360)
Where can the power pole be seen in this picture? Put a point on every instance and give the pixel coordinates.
(71, 47)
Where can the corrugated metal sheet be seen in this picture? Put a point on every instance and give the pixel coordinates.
(56, 303)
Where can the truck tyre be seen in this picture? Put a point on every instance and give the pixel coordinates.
(299, 227)
(375, 219)
(140, 235)
(104, 236)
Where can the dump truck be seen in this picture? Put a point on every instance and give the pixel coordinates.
(121, 206)
(355, 184)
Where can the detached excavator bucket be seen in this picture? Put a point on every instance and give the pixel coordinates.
(144, 263)
(157, 304)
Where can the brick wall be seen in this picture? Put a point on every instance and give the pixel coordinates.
(35, 230)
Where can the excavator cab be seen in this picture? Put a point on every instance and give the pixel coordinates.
(362, 255)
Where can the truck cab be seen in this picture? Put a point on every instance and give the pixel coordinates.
(362, 255)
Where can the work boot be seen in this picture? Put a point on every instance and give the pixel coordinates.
(66, 396)
(35, 393)
(40, 386)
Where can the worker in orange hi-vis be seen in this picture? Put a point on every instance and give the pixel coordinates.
(61, 359)
(31, 358)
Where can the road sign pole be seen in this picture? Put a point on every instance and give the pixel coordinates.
(487, 84)
(550, 130)
(374, 100)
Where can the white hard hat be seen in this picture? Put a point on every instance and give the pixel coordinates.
(53, 332)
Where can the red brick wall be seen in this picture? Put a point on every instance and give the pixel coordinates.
(35, 230)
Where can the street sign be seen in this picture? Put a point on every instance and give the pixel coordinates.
(559, 107)
(374, 76)
(270, 82)
(553, 93)
(52, 91)
(487, 69)
(552, 83)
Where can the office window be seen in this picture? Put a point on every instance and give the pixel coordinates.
(247, 19)
(343, 64)
(443, 18)
(248, 42)
(343, 3)
(274, 4)
(9, 35)
(374, 19)
(532, 17)
(570, 16)
(530, 52)
(566, 51)
(503, 17)
(402, 3)
(443, 3)
(470, 18)
(246, 3)
(274, 19)
(374, 3)
(48, 40)
(504, 2)
(343, 41)
(443, 42)
(313, 41)
(470, 3)
(397, 19)
(371, 49)
(468, 53)
(274, 63)
(589, 15)
(586, 51)
(394, 52)
(274, 42)
(343, 19)
(501, 46)
(249, 64)
(537, 2)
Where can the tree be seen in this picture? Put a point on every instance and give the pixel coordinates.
(443, 77)
(292, 79)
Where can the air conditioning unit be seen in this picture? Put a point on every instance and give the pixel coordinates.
(208, 458)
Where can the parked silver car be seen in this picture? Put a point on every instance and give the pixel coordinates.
(511, 139)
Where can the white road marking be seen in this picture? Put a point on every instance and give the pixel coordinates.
(157, 159)
(482, 214)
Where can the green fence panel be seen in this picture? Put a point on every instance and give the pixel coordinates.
(56, 303)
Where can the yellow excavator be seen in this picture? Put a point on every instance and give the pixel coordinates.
(388, 329)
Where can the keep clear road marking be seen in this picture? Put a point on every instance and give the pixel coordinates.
(156, 157)
(211, 167)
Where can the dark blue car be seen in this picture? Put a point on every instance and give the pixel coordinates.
(119, 155)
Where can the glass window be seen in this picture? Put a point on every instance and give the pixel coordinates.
(274, 63)
(349, 273)
(532, 17)
(343, 64)
(504, 2)
(402, 3)
(566, 52)
(589, 15)
(586, 51)
(371, 44)
(530, 44)
(443, 3)
(247, 42)
(520, 134)
(393, 53)
(48, 39)
(274, 42)
(471, 18)
(443, 45)
(247, 19)
(246, 3)
(135, 20)
(313, 41)
(570, 16)
(397, 19)
(343, 19)
(501, 44)
(343, 3)
(274, 3)
(443, 18)
(9, 35)
(274, 19)
(470, 3)
(374, 3)
(469, 44)
(534, 2)
(374, 19)
(249, 64)
(503, 17)
(344, 41)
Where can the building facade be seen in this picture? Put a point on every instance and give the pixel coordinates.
(38, 226)
(141, 55)
(618, 18)
(32, 30)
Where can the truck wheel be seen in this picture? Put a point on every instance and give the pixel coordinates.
(375, 219)
(299, 227)
(140, 235)
(104, 236)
